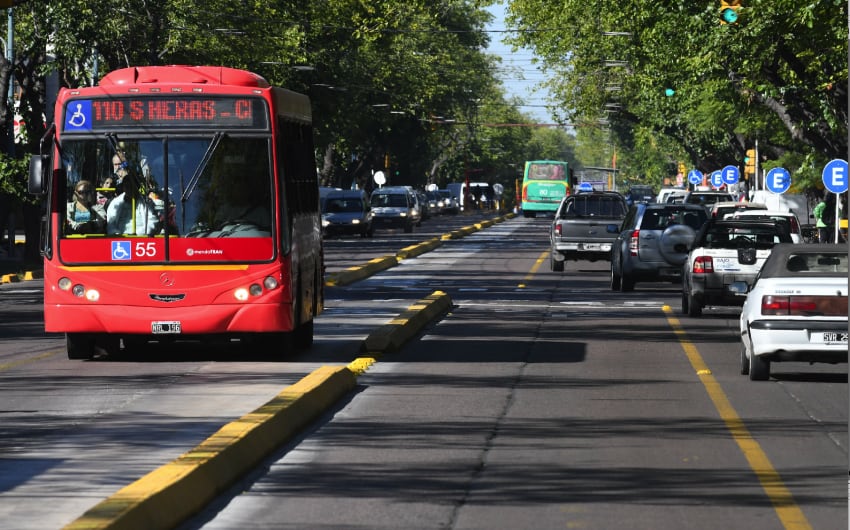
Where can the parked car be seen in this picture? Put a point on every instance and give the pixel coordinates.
(725, 251)
(780, 217)
(347, 212)
(796, 311)
(706, 199)
(395, 206)
(652, 243)
(721, 209)
(580, 228)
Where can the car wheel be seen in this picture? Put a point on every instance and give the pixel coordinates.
(557, 266)
(694, 307)
(616, 281)
(759, 368)
(745, 361)
(80, 345)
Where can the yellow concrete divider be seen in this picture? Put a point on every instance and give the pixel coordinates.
(171, 494)
(353, 274)
(420, 248)
(9, 278)
(391, 336)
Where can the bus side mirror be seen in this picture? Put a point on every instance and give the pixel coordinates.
(37, 183)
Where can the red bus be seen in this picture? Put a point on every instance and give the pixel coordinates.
(182, 203)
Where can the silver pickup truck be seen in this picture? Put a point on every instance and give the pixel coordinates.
(580, 230)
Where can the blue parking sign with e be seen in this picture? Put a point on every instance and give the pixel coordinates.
(730, 175)
(717, 179)
(777, 180)
(835, 176)
(695, 176)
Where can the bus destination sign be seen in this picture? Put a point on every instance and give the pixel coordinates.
(83, 115)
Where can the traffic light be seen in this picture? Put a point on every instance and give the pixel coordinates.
(729, 11)
(750, 162)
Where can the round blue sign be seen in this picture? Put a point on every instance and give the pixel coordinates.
(835, 176)
(730, 175)
(695, 176)
(777, 180)
(717, 179)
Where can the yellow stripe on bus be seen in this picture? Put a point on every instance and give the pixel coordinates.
(125, 268)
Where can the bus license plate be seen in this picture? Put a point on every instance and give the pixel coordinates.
(165, 328)
(830, 337)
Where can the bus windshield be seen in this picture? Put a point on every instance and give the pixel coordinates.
(231, 195)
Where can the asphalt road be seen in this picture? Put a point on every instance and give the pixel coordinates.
(542, 400)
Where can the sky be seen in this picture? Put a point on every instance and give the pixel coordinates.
(517, 73)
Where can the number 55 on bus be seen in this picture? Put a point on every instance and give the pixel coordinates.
(182, 203)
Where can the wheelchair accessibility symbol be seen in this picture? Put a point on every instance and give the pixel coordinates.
(78, 115)
(121, 251)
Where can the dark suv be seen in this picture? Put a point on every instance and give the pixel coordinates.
(653, 242)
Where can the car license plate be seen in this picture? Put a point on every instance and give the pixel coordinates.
(165, 328)
(596, 246)
(829, 337)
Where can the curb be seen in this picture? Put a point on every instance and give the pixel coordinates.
(168, 496)
(416, 250)
(171, 494)
(353, 274)
(390, 337)
(16, 277)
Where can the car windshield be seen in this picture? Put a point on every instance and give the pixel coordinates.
(707, 198)
(389, 200)
(719, 236)
(818, 262)
(592, 205)
(661, 218)
(342, 205)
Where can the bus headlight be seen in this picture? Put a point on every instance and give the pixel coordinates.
(92, 295)
(78, 290)
(241, 294)
(270, 283)
(255, 289)
(65, 283)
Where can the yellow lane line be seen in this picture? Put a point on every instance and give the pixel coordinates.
(789, 513)
(28, 360)
(534, 268)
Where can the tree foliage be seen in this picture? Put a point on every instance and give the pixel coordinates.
(778, 76)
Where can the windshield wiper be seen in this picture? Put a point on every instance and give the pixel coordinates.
(193, 182)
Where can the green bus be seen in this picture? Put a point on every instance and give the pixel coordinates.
(544, 184)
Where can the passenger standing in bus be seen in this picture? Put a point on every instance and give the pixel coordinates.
(106, 192)
(132, 212)
(84, 215)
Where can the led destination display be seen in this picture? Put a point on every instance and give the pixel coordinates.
(173, 112)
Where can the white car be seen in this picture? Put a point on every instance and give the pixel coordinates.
(723, 252)
(775, 215)
(796, 311)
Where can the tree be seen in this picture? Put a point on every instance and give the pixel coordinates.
(778, 76)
